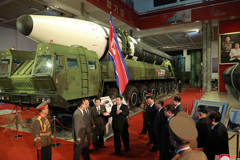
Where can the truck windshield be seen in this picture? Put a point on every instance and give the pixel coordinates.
(43, 64)
(4, 66)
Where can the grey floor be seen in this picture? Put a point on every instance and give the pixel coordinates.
(224, 97)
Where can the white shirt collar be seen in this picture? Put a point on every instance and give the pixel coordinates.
(183, 149)
(214, 125)
(160, 109)
(177, 105)
(81, 111)
(151, 105)
(169, 118)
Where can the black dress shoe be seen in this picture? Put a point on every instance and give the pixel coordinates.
(127, 148)
(102, 147)
(152, 150)
(96, 149)
(150, 142)
(116, 152)
(90, 150)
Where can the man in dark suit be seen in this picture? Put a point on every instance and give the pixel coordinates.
(120, 125)
(145, 116)
(79, 132)
(89, 125)
(218, 140)
(177, 103)
(159, 124)
(167, 150)
(152, 112)
(98, 124)
(202, 127)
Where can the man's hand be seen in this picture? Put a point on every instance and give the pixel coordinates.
(94, 126)
(39, 148)
(79, 139)
(106, 114)
(236, 57)
(119, 111)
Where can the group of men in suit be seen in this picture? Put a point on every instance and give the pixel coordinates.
(155, 120)
(87, 120)
(211, 136)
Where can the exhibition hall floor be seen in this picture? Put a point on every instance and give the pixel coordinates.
(23, 148)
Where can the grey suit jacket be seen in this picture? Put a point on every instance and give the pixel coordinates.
(88, 120)
(178, 109)
(79, 127)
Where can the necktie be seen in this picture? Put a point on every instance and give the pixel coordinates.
(98, 110)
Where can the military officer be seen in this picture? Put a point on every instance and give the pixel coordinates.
(42, 133)
(182, 132)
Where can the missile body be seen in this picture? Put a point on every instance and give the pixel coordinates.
(69, 31)
(231, 76)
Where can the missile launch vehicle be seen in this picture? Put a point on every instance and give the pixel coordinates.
(76, 65)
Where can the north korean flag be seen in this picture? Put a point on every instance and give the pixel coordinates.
(115, 56)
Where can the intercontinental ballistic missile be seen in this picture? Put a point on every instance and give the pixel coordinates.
(69, 31)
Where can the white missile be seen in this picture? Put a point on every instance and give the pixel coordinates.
(66, 31)
(69, 31)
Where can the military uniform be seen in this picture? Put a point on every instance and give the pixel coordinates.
(42, 135)
(184, 129)
(190, 154)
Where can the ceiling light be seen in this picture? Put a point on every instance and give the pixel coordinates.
(139, 39)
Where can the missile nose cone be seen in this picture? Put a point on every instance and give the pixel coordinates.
(25, 24)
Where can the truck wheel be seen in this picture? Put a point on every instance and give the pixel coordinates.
(112, 93)
(174, 86)
(169, 87)
(152, 90)
(142, 89)
(131, 95)
(160, 89)
(165, 86)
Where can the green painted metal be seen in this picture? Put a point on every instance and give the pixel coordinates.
(126, 50)
(79, 75)
(181, 66)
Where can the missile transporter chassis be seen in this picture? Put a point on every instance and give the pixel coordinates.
(67, 74)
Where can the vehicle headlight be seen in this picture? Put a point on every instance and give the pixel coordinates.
(2, 97)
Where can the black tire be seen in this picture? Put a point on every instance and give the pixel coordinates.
(112, 93)
(160, 88)
(165, 88)
(142, 89)
(152, 89)
(174, 85)
(169, 87)
(131, 95)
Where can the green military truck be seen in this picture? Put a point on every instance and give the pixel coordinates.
(67, 74)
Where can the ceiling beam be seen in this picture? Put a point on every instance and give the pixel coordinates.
(189, 37)
(6, 2)
(156, 40)
(171, 38)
